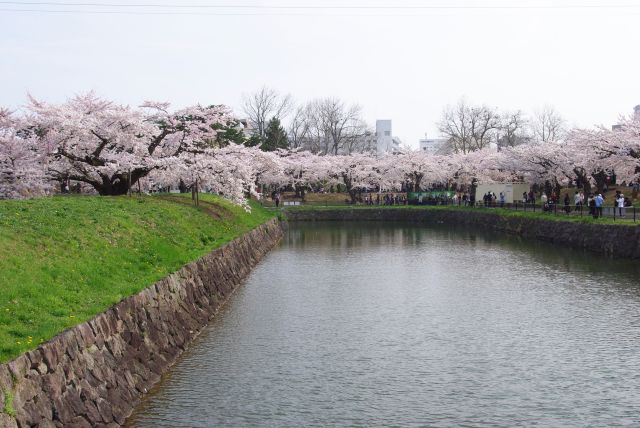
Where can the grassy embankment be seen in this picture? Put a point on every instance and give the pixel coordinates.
(539, 215)
(65, 259)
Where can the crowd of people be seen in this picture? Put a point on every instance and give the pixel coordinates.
(491, 200)
(593, 203)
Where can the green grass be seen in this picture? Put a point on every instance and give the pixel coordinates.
(8, 404)
(65, 259)
(560, 216)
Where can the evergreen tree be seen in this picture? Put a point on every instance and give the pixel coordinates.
(253, 141)
(275, 136)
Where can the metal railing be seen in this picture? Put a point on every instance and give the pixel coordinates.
(627, 213)
(615, 213)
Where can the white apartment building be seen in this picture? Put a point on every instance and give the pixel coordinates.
(431, 145)
(385, 141)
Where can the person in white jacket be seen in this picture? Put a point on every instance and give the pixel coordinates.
(620, 202)
(543, 201)
(577, 201)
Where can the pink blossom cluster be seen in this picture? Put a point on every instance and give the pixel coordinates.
(23, 164)
(112, 148)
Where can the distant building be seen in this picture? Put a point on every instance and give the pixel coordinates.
(636, 116)
(366, 143)
(385, 141)
(432, 145)
(247, 128)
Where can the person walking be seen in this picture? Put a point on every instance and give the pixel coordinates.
(544, 201)
(576, 200)
(591, 203)
(599, 200)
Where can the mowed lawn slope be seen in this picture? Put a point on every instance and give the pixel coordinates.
(65, 259)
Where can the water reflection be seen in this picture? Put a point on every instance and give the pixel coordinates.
(377, 324)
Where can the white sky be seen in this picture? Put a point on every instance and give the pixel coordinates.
(400, 63)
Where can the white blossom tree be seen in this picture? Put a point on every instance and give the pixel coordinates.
(22, 163)
(415, 169)
(357, 172)
(110, 146)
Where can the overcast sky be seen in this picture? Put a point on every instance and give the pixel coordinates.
(400, 62)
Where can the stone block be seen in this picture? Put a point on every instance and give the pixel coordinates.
(94, 373)
(7, 421)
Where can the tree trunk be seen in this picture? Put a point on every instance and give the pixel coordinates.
(117, 184)
(557, 189)
(353, 193)
(601, 180)
(582, 180)
(417, 182)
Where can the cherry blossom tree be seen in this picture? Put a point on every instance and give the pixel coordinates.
(95, 141)
(414, 169)
(269, 168)
(303, 169)
(110, 146)
(22, 164)
(357, 172)
(548, 164)
(599, 152)
(226, 171)
(626, 140)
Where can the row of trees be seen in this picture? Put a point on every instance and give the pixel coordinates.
(324, 125)
(331, 126)
(109, 148)
(474, 127)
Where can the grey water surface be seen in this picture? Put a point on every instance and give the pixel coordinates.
(377, 324)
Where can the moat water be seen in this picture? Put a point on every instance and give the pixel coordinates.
(374, 324)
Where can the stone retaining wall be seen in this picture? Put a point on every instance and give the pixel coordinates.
(612, 240)
(95, 373)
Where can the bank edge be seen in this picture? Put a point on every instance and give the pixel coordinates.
(621, 241)
(94, 374)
